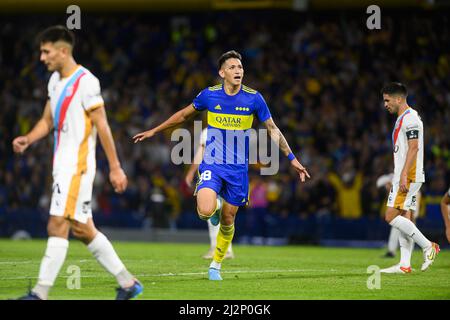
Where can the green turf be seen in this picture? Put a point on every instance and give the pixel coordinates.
(177, 271)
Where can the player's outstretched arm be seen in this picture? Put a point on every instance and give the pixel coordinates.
(116, 175)
(40, 130)
(445, 202)
(277, 136)
(176, 119)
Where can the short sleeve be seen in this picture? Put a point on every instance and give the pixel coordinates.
(91, 93)
(262, 110)
(201, 100)
(412, 127)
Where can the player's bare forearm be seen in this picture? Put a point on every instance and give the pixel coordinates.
(42, 127)
(39, 131)
(99, 119)
(277, 136)
(413, 148)
(176, 119)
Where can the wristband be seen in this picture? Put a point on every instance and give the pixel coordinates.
(291, 156)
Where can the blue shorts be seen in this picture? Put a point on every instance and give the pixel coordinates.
(230, 185)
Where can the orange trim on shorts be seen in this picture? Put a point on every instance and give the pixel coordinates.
(74, 188)
(401, 197)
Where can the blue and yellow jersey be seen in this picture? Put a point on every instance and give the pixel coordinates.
(229, 121)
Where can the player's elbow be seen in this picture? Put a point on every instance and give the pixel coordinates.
(414, 147)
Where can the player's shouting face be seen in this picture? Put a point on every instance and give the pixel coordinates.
(232, 71)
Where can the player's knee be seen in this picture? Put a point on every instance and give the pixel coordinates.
(205, 211)
(388, 218)
(82, 232)
(55, 229)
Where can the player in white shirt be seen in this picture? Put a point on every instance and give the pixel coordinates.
(75, 111)
(407, 142)
(445, 202)
(213, 230)
(393, 241)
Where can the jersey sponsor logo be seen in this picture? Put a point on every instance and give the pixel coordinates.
(230, 121)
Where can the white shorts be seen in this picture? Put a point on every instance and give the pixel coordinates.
(72, 195)
(404, 201)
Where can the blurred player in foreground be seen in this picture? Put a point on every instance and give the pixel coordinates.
(445, 202)
(407, 143)
(75, 111)
(224, 169)
(213, 230)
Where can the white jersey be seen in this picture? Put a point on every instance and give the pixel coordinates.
(75, 136)
(408, 126)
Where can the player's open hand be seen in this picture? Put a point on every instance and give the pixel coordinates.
(301, 170)
(118, 180)
(143, 135)
(20, 144)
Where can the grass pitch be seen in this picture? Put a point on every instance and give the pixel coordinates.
(177, 272)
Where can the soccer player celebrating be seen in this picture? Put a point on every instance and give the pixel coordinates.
(445, 202)
(75, 111)
(407, 141)
(224, 168)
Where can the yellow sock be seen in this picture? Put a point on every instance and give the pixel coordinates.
(224, 238)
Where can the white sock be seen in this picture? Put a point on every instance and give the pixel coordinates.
(213, 231)
(219, 203)
(393, 240)
(410, 229)
(406, 247)
(54, 257)
(215, 265)
(105, 254)
(230, 248)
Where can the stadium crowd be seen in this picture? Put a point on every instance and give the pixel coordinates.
(321, 75)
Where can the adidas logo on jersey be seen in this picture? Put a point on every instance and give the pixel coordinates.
(218, 107)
